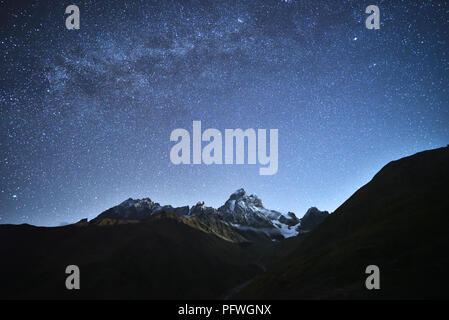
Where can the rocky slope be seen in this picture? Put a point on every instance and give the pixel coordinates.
(399, 221)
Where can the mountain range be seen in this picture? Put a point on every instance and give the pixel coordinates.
(242, 214)
(140, 249)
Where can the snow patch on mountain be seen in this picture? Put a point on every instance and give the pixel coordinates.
(232, 205)
(286, 230)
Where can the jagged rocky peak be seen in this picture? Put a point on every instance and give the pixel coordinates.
(200, 204)
(238, 194)
(127, 203)
(290, 219)
(200, 208)
(244, 210)
(313, 212)
(312, 219)
(131, 209)
(138, 203)
(240, 199)
(292, 215)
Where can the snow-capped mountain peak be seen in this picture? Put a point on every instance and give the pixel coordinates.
(248, 211)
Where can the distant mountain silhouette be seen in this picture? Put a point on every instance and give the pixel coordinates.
(140, 249)
(399, 221)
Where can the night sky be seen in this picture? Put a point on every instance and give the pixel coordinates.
(86, 115)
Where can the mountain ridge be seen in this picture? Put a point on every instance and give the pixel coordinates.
(397, 221)
(241, 211)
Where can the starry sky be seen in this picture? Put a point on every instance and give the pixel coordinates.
(86, 115)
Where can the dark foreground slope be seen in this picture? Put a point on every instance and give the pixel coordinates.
(162, 258)
(399, 221)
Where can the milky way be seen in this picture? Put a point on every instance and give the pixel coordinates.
(86, 115)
